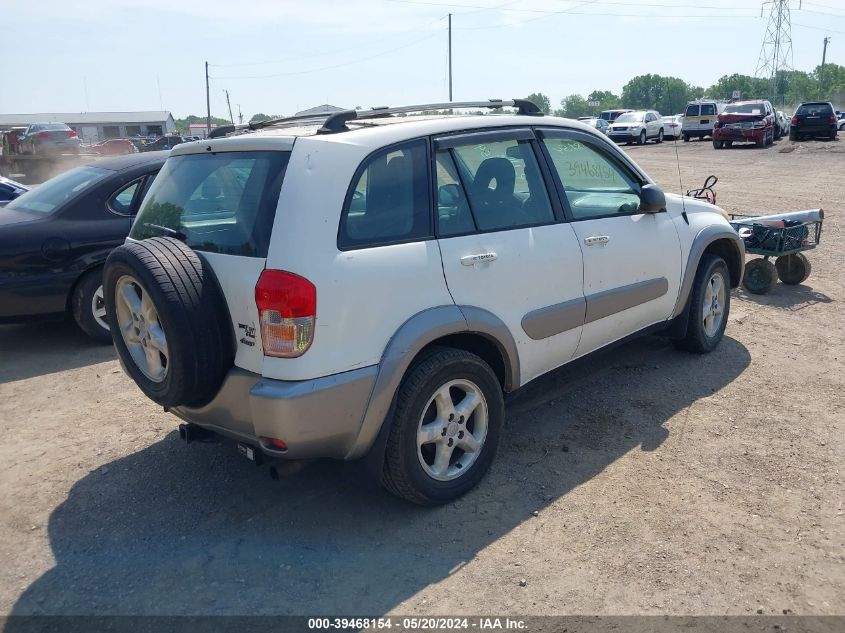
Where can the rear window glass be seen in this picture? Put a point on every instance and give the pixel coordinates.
(744, 108)
(814, 108)
(692, 110)
(221, 203)
(46, 198)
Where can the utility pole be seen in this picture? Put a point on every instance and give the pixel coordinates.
(450, 57)
(240, 115)
(228, 103)
(821, 70)
(207, 103)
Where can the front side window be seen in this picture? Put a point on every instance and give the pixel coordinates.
(503, 184)
(389, 202)
(594, 185)
(222, 203)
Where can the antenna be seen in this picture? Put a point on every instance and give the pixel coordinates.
(776, 53)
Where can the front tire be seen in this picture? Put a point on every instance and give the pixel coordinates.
(89, 306)
(642, 139)
(710, 305)
(445, 428)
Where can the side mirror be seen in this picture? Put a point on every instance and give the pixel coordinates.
(652, 199)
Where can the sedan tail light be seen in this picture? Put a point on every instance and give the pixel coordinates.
(71, 134)
(287, 312)
(43, 135)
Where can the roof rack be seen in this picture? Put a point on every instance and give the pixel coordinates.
(334, 122)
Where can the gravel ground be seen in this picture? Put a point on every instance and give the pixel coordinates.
(640, 481)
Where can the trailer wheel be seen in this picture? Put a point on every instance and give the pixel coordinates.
(759, 276)
(793, 269)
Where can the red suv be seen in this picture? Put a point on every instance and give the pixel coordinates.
(745, 122)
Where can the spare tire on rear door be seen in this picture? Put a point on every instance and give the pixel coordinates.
(169, 321)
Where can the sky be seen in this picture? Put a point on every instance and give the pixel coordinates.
(281, 56)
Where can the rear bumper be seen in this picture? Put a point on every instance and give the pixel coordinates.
(315, 418)
(814, 130)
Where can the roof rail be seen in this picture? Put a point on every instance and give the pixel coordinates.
(334, 122)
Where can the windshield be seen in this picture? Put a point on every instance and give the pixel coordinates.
(744, 108)
(631, 117)
(222, 203)
(48, 197)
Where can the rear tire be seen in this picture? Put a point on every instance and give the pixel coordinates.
(793, 136)
(660, 136)
(425, 441)
(718, 144)
(793, 269)
(88, 306)
(759, 276)
(710, 306)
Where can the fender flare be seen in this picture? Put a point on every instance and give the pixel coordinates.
(702, 240)
(411, 337)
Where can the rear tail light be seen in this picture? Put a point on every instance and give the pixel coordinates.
(43, 135)
(287, 312)
(71, 133)
(833, 118)
(795, 120)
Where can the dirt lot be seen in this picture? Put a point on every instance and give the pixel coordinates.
(664, 483)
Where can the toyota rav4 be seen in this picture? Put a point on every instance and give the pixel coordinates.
(371, 285)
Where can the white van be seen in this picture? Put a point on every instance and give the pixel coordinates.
(699, 119)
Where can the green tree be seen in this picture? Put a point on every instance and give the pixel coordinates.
(664, 94)
(574, 106)
(264, 117)
(606, 100)
(749, 86)
(182, 125)
(541, 101)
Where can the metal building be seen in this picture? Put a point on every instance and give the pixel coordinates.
(93, 127)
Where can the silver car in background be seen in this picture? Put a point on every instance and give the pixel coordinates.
(49, 138)
(600, 124)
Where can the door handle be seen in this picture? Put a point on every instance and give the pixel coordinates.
(596, 240)
(471, 260)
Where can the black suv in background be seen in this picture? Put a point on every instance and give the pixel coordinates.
(815, 118)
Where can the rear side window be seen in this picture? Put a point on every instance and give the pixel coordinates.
(692, 110)
(708, 109)
(389, 201)
(222, 203)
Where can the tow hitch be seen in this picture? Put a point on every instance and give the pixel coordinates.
(195, 433)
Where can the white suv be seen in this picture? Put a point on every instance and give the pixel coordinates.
(372, 285)
(639, 126)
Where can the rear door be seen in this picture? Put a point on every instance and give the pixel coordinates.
(632, 260)
(503, 245)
